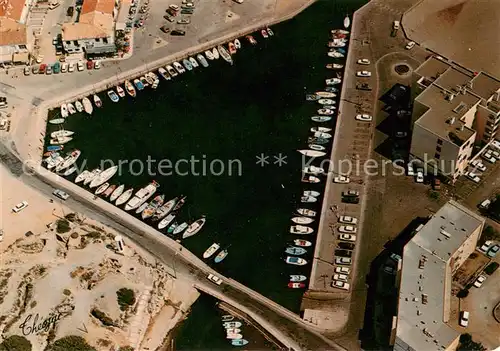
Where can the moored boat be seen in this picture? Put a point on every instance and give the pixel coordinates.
(335, 54)
(194, 62)
(312, 97)
(79, 106)
(102, 188)
(69, 171)
(124, 197)
(118, 191)
(321, 135)
(316, 147)
(69, 160)
(166, 221)
(232, 336)
(325, 94)
(144, 81)
(209, 55)
(129, 88)
(319, 141)
(60, 140)
(153, 206)
(180, 203)
(333, 81)
(233, 330)
(297, 261)
(312, 153)
(310, 179)
(97, 100)
(211, 250)
(202, 60)
(120, 91)
(165, 209)
(61, 133)
(221, 256)
(82, 176)
(141, 208)
(292, 250)
(57, 121)
(321, 119)
(306, 212)
(215, 52)
(171, 70)
(302, 220)
(163, 72)
(227, 318)
(104, 176)
(302, 243)
(180, 228)
(194, 228)
(270, 32)
(313, 170)
(224, 54)
(296, 285)
(109, 190)
(87, 105)
(297, 278)
(331, 89)
(334, 66)
(321, 129)
(326, 102)
(149, 78)
(237, 43)
(308, 199)
(347, 22)
(71, 108)
(240, 342)
(300, 229)
(187, 64)
(113, 96)
(138, 84)
(64, 110)
(142, 196)
(311, 193)
(232, 48)
(235, 324)
(325, 111)
(251, 39)
(264, 33)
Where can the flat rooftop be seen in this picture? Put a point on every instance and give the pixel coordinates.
(485, 85)
(439, 116)
(422, 292)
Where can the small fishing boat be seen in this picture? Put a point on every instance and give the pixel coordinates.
(69, 171)
(312, 97)
(296, 285)
(228, 325)
(302, 243)
(97, 100)
(264, 33)
(306, 212)
(211, 250)
(215, 52)
(129, 88)
(156, 82)
(321, 119)
(124, 197)
(237, 44)
(335, 54)
(334, 66)
(180, 203)
(149, 78)
(209, 55)
(187, 64)
(194, 228)
(336, 43)
(53, 160)
(313, 170)
(240, 342)
(82, 176)
(94, 173)
(321, 129)
(138, 84)
(104, 176)
(142, 195)
(79, 106)
(312, 153)
(60, 141)
(64, 110)
(109, 190)
(321, 135)
(141, 208)
(325, 111)
(165, 209)
(71, 108)
(113, 96)
(292, 250)
(120, 91)
(233, 331)
(231, 336)
(180, 228)
(302, 220)
(332, 89)
(295, 261)
(69, 160)
(118, 191)
(102, 188)
(144, 81)
(178, 67)
(61, 133)
(339, 31)
(325, 94)
(300, 229)
(297, 277)
(333, 81)
(227, 318)
(87, 105)
(55, 147)
(326, 102)
(224, 54)
(153, 206)
(232, 48)
(171, 71)
(57, 121)
(319, 141)
(194, 63)
(310, 179)
(163, 72)
(251, 39)
(166, 221)
(270, 32)
(311, 193)
(308, 199)
(347, 22)
(202, 60)
(221, 256)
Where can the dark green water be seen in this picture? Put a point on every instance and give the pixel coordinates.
(232, 114)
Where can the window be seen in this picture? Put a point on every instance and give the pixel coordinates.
(440, 142)
(438, 148)
(437, 155)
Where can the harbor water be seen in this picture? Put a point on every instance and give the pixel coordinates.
(215, 123)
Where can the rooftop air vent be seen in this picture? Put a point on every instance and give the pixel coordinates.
(445, 233)
(451, 120)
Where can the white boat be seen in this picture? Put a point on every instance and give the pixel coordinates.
(194, 228)
(334, 66)
(163, 72)
(211, 250)
(166, 221)
(202, 60)
(124, 197)
(180, 228)
(179, 67)
(339, 31)
(82, 176)
(232, 336)
(347, 22)
(215, 52)
(69, 160)
(79, 106)
(300, 229)
(326, 102)
(335, 54)
(141, 208)
(270, 32)
(227, 318)
(313, 170)
(224, 54)
(120, 91)
(91, 176)
(102, 188)
(308, 199)
(317, 147)
(142, 196)
(60, 141)
(312, 153)
(320, 119)
(69, 171)
(61, 134)
(194, 62)
(321, 129)
(237, 43)
(209, 55)
(153, 206)
(322, 135)
(336, 43)
(297, 278)
(306, 212)
(64, 110)
(325, 94)
(104, 176)
(233, 330)
(171, 71)
(311, 193)
(228, 325)
(325, 111)
(118, 191)
(302, 220)
(53, 160)
(71, 108)
(295, 261)
(165, 209)
(97, 100)
(310, 179)
(87, 105)
(333, 81)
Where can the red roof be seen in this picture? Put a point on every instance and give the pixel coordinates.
(12, 9)
(104, 6)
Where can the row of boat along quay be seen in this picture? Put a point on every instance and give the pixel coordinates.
(186, 207)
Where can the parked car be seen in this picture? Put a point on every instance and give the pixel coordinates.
(169, 18)
(348, 220)
(486, 246)
(20, 206)
(464, 319)
(178, 32)
(364, 117)
(174, 7)
(64, 67)
(350, 199)
(436, 184)
(489, 157)
(34, 69)
(477, 164)
(165, 29)
(90, 64)
(363, 61)
(343, 270)
(344, 261)
(60, 194)
(363, 74)
(80, 66)
(97, 64)
(420, 175)
(27, 71)
(341, 179)
(341, 277)
(410, 170)
(238, 1)
(42, 69)
(479, 281)
(71, 67)
(346, 246)
(347, 237)
(492, 252)
(410, 45)
(485, 204)
(48, 70)
(214, 279)
(340, 284)
(353, 193)
(70, 11)
(363, 86)
(347, 229)
(472, 176)
(184, 21)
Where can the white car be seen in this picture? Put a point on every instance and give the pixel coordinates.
(39, 59)
(479, 281)
(64, 67)
(489, 157)
(341, 285)
(348, 220)
(27, 71)
(420, 175)
(97, 64)
(344, 261)
(472, 176)
(477, 164)
(60, 194)
(349, 229)
(486, 246)
(464, 319)
(343, 270)
(363, 61)
(71, 67)
(363, 73)
(347, 237)
(341, 277)
(174, 7)
(364, 117)
(495, 144)
(341, 179)
(214, 279)
(411, 172)
(80, 66)
(485, 204)
(410, 45)
(238, 1)
(20, 206)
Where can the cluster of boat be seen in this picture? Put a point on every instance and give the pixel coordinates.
(233, 331)
(317, 143)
